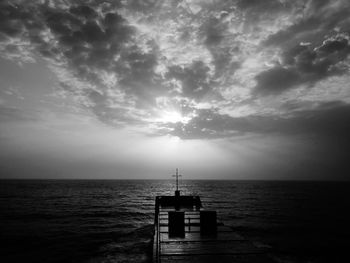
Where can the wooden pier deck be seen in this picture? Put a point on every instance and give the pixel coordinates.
(224, 245)
(184, 232)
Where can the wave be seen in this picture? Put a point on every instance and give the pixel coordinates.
(111, 221)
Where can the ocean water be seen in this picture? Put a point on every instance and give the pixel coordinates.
(111, 220)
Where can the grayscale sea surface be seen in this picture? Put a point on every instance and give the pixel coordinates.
(112, 220)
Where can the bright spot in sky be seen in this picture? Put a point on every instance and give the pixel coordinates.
(172, 117)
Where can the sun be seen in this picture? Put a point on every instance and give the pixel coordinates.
(172, 117)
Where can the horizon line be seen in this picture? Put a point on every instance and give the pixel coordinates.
(164, 179)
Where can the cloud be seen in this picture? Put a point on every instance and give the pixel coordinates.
(325, 119)
(303, 64)
(120, 59)
(276, 80)
(195, 79)
(315, 20)
(87, 43)
(83, 11)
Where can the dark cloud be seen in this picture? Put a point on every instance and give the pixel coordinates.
(321, 61)
(109, 46)
(83, 11)
(312, 48)
(293, 35)
(304, 64)
(138, 76)
(14, 19)
(276, 80)
(194, 78)
(87, 41)
(331, 120)
(320, 18)
(214, 31)
(335, 46)
(107, 43)
(208, 124)
(59, 21)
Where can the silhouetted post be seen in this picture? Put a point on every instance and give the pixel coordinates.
(177, 191)
(177, 175)
(208, 223)
(176, 223)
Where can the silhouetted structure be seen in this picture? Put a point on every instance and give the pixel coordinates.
(177, 175)
(185, 232)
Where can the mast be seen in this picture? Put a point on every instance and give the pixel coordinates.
(177, 175)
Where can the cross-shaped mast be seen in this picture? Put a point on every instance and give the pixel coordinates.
(177, 175)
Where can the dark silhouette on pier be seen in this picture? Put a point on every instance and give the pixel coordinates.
(185, 232)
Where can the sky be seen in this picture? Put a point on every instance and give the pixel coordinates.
(241, 89)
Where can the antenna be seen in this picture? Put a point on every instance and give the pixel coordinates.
(177, 175)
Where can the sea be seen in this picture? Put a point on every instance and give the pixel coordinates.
(95, 221)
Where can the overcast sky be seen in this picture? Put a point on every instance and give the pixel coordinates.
(241, 89)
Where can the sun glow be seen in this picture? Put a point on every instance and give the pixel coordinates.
(173, 117)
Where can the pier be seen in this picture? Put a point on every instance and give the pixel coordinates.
(186, 232)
